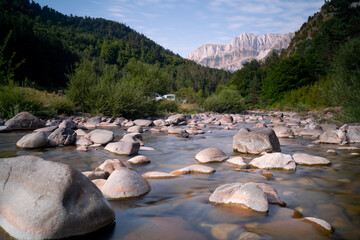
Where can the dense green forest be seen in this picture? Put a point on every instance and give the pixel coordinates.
(106, 67)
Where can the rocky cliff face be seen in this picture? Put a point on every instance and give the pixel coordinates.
(244, 48)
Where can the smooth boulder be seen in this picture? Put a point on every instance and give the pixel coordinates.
(283, 132)
(123, 148)
(143, 122)
(211, 155)
(249, 195)
(24, 121)
(307, 159)
(100, 136)
(256, 141)
(196, 169)
(333, 137)
(124, 183)
(274, 161)
(33, 140)
(47, 200)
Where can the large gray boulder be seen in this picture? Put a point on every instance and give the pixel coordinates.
(24, 121)
(274, 161)
(211, 155)
(33, 140)
(135, 129)
(353, 134)
(124, 183)
(68, 123)
(47, 200)
(256, 141)
(62, 136)
(175, 119)
(283, 132)
(132, 137)
(123, 148)
(143, 122)
(333, 137)
(100, 136)
(249, 195)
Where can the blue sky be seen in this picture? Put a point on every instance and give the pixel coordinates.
(184, 25)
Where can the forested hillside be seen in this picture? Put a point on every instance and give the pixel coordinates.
(50, 43)
(320, 68)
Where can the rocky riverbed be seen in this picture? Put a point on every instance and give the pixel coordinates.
(179, 177)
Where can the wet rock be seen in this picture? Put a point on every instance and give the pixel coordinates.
(83, 141)
(319, 223)
(183, 135)
(92, 175)
(143, 122)
(33, 140)
(110, 165)
(211, 155)
(307, 159)
(271, 194)
(123, 148)
(261, 172)
(175, 119)
(80, 132)
(159, 122)
(124, 183)
(99, 182)
(132, 137)
(260, 125)
(143, 148)
(333, 137)
(238, 161)
(68, 123)
(249, 236)
(274, 161)
(256, 141)
(62, 136)
(158, 175)
(100, 136)
(249, 195)
(140, 159)
(135, 129)
(353, 136)
(283, 132)
(46, 129)
(4, 129)
(226, 119)
(196, 169)
(59, 201)
(82, 149)
(175, 130)
(24, 121)
(331, 151)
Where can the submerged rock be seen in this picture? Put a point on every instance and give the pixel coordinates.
(256, 141)
(47, 200)
(249, 195)
(211, 155)
(274, 161)
(124, 183)
(33, 140)
(307, 159)
(194, 169)
(24, 121)
(158, 175)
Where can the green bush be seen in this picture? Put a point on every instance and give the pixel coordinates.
(227, 100)
(166, 106)
(345, 89)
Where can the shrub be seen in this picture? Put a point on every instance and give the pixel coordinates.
(166, 106)
(228, 100)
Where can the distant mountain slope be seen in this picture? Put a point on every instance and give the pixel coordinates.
(51, 43)
(244, 48)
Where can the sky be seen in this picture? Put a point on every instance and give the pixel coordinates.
(184, 25)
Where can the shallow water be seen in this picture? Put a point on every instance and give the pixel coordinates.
(179, 208)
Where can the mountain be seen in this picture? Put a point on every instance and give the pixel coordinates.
(244, 48)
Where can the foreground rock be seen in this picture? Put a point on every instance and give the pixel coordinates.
(62, 136)
(274, 161)
(307, 159)
(271, 194)
(47, 200)
(211, 155)
(33, 141)
(24, 121)
(123, 148)
(197, 169)
(256, 141)
(124, 183)
(249, 195)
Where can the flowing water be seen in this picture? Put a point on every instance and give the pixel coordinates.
(179, 208)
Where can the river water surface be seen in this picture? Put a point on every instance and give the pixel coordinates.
(179, 208)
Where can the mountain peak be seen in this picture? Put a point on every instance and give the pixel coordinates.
(241, 49)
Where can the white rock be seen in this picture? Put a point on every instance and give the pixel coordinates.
(307, 159)
(211, 155)
(274, 161)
